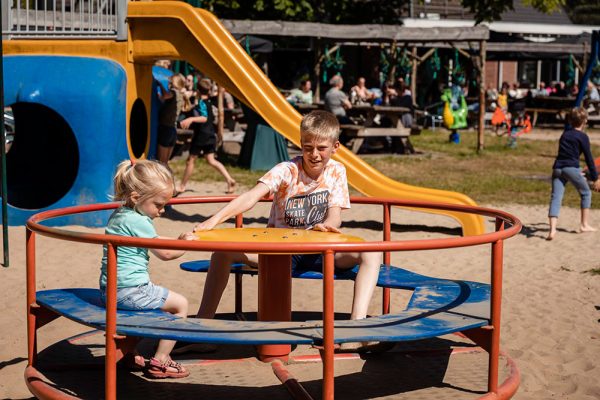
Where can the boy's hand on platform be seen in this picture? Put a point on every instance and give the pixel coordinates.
(204, 226)
(325, 228)
(596, 185)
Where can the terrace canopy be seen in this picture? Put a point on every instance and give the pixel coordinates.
(461, 37)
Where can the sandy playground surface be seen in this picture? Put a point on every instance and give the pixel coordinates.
(550, 320)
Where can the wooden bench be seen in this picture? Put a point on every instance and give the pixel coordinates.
(593, 109)
(550, 105)
(559, 114)
(358, 133)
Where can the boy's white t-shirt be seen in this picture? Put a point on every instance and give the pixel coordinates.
(298, 200)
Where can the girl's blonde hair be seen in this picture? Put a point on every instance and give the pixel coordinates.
(146, 177)
(320, 124)
(178, 81)
(178, 84)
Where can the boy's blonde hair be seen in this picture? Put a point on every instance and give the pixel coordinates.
(577, 116)
(320, 124)
(146, 177)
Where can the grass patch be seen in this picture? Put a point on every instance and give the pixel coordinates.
(205, 173)
(498, 175)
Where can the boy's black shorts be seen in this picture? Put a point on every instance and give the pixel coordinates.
(167, 136)
(198, 150)
(310, 262)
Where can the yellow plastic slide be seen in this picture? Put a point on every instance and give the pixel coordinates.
(171, 29)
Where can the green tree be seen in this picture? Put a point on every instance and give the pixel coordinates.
(585, 12)
(491, 10)
(327, 11)
(356, 11)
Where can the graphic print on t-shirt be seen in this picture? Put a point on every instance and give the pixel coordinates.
(306, 210)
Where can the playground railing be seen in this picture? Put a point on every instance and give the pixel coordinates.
(64, 19)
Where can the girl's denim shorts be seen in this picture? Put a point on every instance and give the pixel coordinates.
(143, 297)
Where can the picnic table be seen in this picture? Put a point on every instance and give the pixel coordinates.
(366, 115)
(553, 106)
(305, 108)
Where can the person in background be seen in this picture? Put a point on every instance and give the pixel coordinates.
(592, 92)
(389, 92)
(190, 90)
(543, 90)
(574, 91)
(163, 63)
(573, 142)
(359, 94)
(204, 141)
(303, 94)
(173, 101)
(336, 101)
(559, 89)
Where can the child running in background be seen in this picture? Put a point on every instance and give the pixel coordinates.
(566, 168)
(173, 102)
(204, 140)
(144, 188)
(322, 183)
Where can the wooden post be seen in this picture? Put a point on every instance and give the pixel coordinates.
(221, 116)
(413, 76)
(481, 129)
(317, 70)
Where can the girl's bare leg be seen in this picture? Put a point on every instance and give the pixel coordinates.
(163, 154)
(178, 305)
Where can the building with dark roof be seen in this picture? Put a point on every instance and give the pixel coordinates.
(525, 45)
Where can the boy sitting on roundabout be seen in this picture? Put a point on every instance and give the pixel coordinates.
(309, 192)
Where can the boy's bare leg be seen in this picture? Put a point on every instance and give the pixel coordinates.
(216, 164)
(585, 224)
(366, 279)
(187, 173)
(552, 221)
(216, 280)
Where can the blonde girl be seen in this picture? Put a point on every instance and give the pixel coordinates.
(144, 187)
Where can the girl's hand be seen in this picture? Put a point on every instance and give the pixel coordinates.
(187, 236)
(325, 228)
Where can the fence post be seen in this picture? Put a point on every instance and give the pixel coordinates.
(5, 12)
(122, 20)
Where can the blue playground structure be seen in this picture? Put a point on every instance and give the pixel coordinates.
(61, 156)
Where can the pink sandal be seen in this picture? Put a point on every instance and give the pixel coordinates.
(166, 369)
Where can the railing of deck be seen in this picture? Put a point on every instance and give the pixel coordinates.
(64, 19)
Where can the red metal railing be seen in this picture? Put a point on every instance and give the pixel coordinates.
(488, 337)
